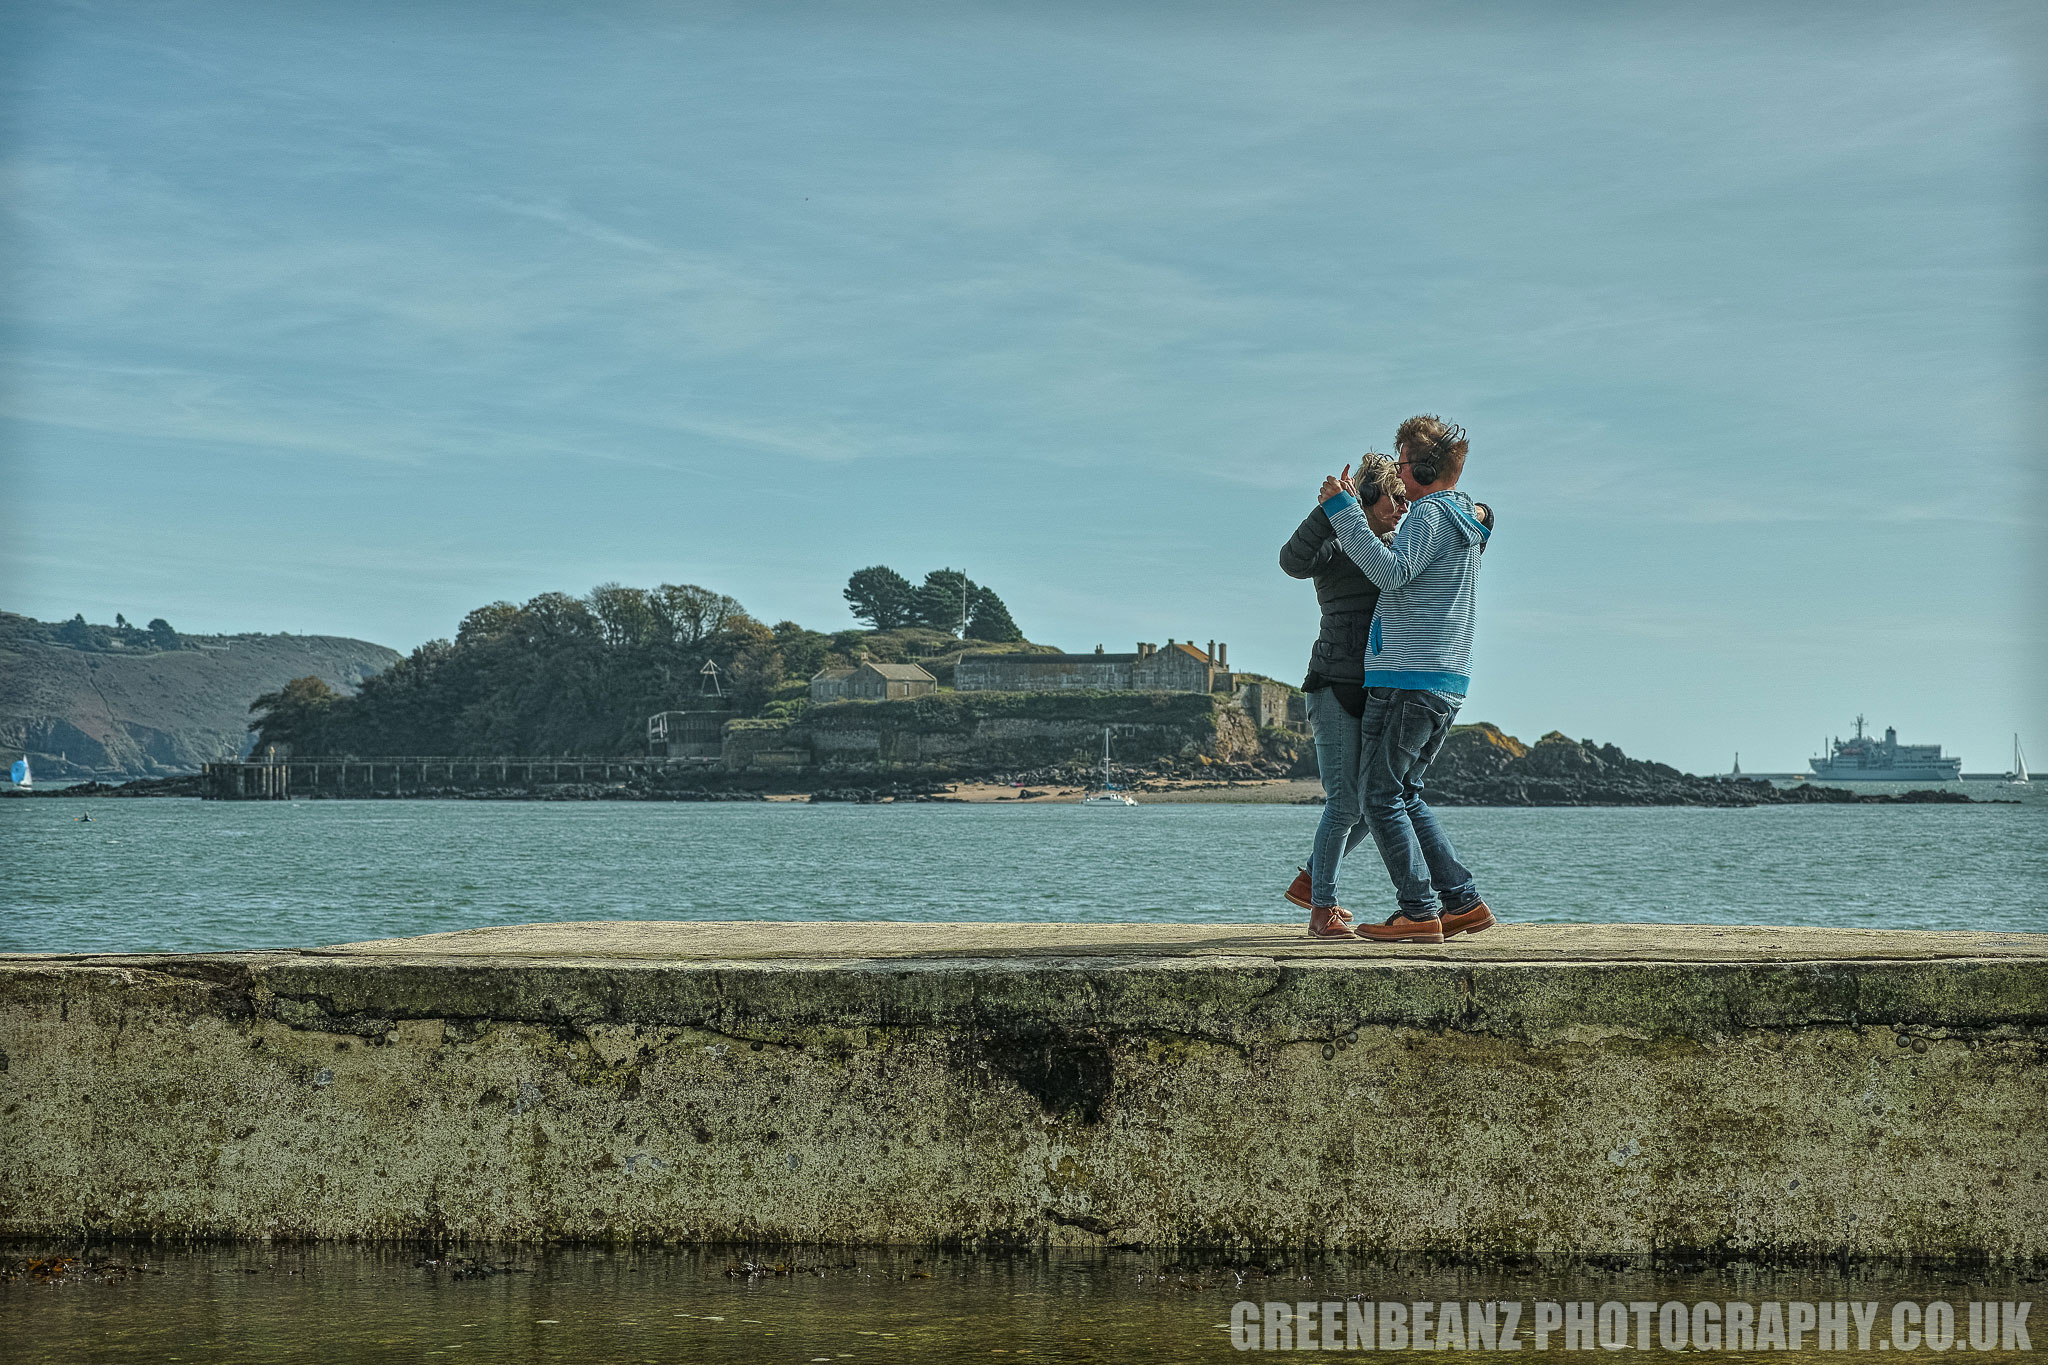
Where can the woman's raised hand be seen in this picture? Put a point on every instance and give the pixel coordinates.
(1337, 483)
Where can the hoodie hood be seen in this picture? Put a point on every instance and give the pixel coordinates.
(1465, 518)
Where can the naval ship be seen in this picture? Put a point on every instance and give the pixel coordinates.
(1870, 759)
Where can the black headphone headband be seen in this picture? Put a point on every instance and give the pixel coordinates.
(1429, 465)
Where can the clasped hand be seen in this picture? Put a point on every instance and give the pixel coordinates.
(1337, 483)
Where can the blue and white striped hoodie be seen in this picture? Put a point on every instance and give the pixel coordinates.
(1422, 629)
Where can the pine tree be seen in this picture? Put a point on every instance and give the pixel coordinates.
(991, 619)
(945, 602)
(881, 597)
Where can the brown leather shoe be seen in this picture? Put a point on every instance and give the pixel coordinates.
(1401, 929)
(1468, 921)
(1329, 921)
(1297, 891)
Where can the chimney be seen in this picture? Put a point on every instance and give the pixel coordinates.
(1169, 642)
(1212, 651)
(1223, 656)
(1098, 649)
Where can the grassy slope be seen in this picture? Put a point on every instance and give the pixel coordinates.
(152, 713)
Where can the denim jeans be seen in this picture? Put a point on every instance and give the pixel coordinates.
(1338, 745)
(1400, 735)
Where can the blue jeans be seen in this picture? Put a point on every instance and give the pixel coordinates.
(1400, 735)
(1338, 745)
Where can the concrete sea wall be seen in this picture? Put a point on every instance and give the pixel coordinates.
(1562, 1089)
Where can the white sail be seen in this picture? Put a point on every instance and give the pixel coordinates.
(2019, 762)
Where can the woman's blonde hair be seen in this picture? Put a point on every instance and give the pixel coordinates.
(1377, 477)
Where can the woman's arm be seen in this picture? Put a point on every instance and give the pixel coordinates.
(1306, 550)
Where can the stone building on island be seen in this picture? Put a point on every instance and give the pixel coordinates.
(872, 682)
(1180, 667)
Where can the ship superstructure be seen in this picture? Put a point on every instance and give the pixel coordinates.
(1866, 758)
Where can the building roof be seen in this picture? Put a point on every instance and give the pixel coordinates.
(1190, 649)
(899, 672)
(831, 674)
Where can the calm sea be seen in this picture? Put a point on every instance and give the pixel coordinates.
(190, 875)
(344, 1303)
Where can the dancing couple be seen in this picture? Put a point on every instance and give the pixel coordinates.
(1393, 549)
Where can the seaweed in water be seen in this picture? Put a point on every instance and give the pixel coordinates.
(465, 1267)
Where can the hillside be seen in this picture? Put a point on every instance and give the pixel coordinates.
(113, 701)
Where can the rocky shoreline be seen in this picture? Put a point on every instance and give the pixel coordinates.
(1478, 766)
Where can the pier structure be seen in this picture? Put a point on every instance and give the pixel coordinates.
(1770, 1094)
(281, 778)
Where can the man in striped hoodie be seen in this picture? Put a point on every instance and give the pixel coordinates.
(1417, 669)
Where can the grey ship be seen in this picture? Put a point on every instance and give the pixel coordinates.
(1870, 759)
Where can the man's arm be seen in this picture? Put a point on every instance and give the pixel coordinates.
(1303, 553)
(1415, 545)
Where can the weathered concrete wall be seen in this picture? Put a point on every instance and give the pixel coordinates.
(1776, 1092)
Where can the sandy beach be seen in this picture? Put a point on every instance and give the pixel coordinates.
(1276, 792)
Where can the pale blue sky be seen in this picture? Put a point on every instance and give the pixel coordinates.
(346, 318)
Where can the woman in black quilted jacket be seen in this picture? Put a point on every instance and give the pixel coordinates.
(1335, 683)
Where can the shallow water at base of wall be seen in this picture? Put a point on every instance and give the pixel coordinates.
(329, 1303)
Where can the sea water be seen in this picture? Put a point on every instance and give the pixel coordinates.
(183, 875)
(329, 1303)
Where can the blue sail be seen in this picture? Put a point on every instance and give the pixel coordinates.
(20, 771)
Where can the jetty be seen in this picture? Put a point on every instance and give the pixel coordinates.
(280, 779)
(1765, 1093)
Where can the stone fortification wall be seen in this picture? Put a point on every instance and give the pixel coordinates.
(1571, 1089)
(953, 733)
(1043, 672)
(1177, 668)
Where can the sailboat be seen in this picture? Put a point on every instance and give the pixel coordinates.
(23, 778)
(1109, 795)
(2018, 775)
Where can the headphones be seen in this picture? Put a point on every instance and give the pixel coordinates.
(1428, 465)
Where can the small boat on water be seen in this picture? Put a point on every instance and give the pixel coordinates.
(23, 778)
(2018, 775)
(1109, 795)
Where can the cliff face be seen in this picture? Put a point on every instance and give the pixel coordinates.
(954, 733)
(152, 712)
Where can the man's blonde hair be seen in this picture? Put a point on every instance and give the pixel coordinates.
(1377, 477)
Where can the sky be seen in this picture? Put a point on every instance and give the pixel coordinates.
(345, 319)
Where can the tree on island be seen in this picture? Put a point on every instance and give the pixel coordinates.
(945, 602)
(881, 597)
(991, 620)
(561, 674)
(295, 714)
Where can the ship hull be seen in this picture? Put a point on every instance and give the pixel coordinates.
(1924, 772)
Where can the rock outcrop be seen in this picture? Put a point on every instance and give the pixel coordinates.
(1480, 766)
